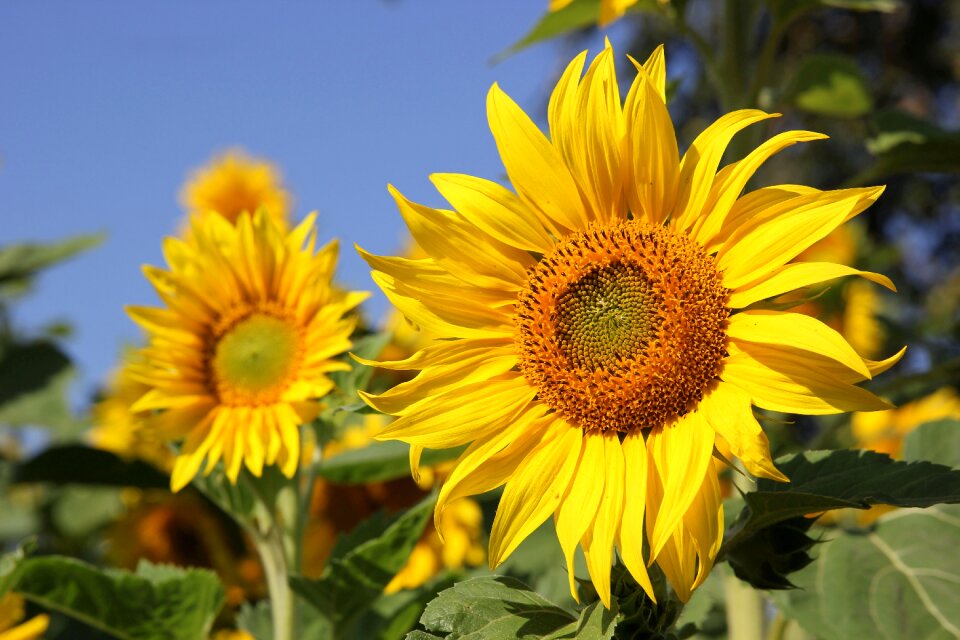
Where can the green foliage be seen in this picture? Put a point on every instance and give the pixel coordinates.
(897, 581)
(155, 603)
(494, 607)
(20, 262)
(902, 143)
(363, 564)
(579, 14)
(788, 10)
(34, 378)
(79, 464)
(830, 85)
(937, 441)
(378, 462)
(768, 541)
(357, 378)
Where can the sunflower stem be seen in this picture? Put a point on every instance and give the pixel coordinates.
(744, 610)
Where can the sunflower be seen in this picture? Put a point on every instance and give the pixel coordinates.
(603, 324)
(234, 183)
(117, 428)
(12, 611)
(239, 357)
(884, 431)
(610, 10)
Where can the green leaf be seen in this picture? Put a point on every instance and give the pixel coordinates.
(904, 144)
(378, 462)
(937, 441)
(579, 14)
(79, 464)
(789, 10)
(820, 481)
(392, 617)
(596, 622)
(356, 379)
(830, 85)
(155, 603)
(34, 380)
(494, 607)
(897, 581)
(358, 573)
(21, 261)
(824, 480)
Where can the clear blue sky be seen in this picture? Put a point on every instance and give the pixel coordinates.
(107, 106)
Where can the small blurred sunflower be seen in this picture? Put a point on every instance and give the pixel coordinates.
(598, 336)
(239, 356)
(12, 611)
(234, 183)
(184, 530)
(610, 10)
(884, 431)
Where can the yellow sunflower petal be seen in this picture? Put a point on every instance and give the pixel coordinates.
(704, 522)
(579, 504)
(792, 226)
(598, 545)
(795, 330)
(535, 167)
(534, 491)
(630, 537)
(678, 452)
(732, 179)
(656, 68)
(796, 275)
(495, 210)
(462, 414)
(699, 163)
(653, 159)
(784, 379)
(727, 410)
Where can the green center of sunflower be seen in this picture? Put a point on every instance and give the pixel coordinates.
(606, 315)
(255, 358)
(622, 327)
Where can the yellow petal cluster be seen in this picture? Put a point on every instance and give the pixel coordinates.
(12, 612)
(615, 273)
(884, 431)
(234, 183)
(239, 355)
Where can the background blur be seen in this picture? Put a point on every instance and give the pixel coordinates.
(107, 108)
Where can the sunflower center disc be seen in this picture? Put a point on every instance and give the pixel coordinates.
(623, 327)
(255, 358)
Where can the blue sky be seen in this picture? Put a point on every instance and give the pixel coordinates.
(107, 106)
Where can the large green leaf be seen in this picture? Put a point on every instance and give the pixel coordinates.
(378, 462)
(79, 464)
(899, 580)
(937, 441)
(768, 541)
(830, 85)
(155, 603)
(360, 568)
(21, 261)
(494, 607)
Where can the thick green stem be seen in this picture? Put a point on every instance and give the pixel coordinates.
(272, 556)
(744, 610)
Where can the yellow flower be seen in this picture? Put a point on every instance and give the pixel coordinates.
(884, 431)
(610, 10)
(11, 613)
(231, 634)
(183, 530)
(599, 340)
(239, 357)
(235, 183)
(118, 429)
(337, 509)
